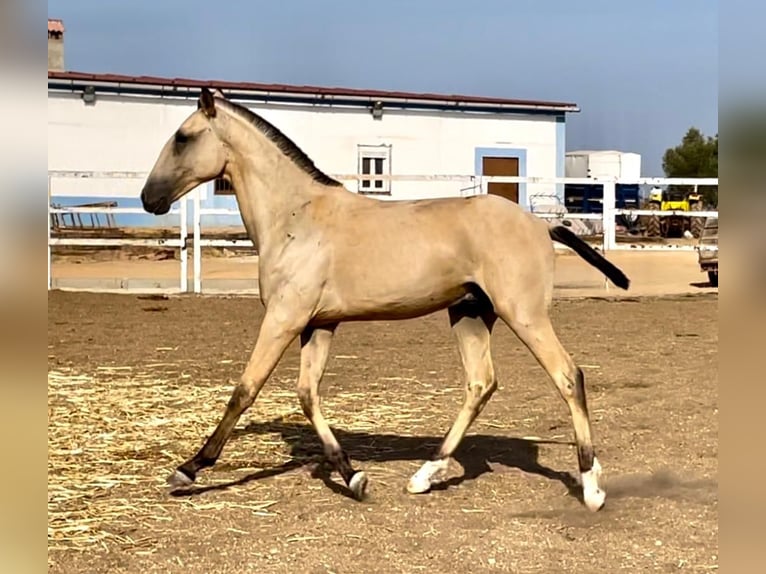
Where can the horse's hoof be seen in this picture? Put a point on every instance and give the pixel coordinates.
(594, 499)
(358, 485)
(592, 493)
(418, 484)
(179, 479)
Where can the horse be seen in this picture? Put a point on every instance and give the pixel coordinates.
(328, 255)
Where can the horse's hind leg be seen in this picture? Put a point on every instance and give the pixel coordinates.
(536, 331)
(472, 323)
(315, 347)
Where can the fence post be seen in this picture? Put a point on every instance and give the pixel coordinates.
(608, 222)
(184, 251)
(197, 237)
(49, 233)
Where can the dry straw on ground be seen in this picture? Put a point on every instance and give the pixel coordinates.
(114, 435)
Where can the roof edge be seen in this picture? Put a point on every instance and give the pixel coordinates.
(455, 100)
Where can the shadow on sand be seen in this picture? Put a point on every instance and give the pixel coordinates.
(476, 454)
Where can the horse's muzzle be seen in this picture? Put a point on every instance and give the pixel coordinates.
(158, 207)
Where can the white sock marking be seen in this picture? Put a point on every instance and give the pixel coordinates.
(422, 480)
(593, 495)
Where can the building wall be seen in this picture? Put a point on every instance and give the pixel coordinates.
(125, 133)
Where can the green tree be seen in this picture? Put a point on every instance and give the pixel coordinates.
(695, 156)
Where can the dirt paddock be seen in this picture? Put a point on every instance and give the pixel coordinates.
(136, 383)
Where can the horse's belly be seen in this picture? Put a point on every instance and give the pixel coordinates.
(399, 269)
(389, 300)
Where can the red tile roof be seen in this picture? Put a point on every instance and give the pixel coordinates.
(310, 90)
(55, 26)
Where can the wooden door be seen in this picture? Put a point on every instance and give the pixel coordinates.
(501, 166)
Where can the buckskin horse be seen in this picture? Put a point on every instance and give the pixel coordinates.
(328, 255)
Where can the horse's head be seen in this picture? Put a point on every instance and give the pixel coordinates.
(192, 156)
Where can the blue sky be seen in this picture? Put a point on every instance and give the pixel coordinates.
(641, 71)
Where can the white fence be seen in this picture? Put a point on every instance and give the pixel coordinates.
(468, 185)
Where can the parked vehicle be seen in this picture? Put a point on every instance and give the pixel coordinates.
(707, 250)
(589, 198)
(674, 225)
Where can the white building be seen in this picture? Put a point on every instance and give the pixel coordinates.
(119, 123)
(603, 164)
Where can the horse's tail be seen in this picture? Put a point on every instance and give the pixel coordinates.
(565, 236)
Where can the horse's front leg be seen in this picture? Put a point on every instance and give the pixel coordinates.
(281, 325)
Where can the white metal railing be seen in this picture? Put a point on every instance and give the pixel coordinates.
(181, 212)
(475, 185)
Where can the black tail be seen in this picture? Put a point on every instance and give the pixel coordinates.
(563, 235)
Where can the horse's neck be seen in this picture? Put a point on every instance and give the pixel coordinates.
(272, 201)
(274, 194)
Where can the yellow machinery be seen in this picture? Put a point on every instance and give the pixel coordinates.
(674, 225)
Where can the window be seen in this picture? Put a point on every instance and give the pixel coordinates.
(374, 160)
(223, 187)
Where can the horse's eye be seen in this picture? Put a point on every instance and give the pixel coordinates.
(181, 138)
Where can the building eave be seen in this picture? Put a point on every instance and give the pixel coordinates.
(183, 88)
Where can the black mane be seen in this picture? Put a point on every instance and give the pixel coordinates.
(284, 143)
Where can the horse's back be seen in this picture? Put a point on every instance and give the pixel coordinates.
(439, 211)
(457, 228)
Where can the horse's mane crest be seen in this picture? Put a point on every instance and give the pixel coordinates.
(284, 143)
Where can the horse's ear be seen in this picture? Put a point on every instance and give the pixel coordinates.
(206, 103)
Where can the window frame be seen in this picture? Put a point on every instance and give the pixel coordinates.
(222, 186)
(371, 154)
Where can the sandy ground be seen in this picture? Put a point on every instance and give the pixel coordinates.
(652, 273)
(135, 384)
